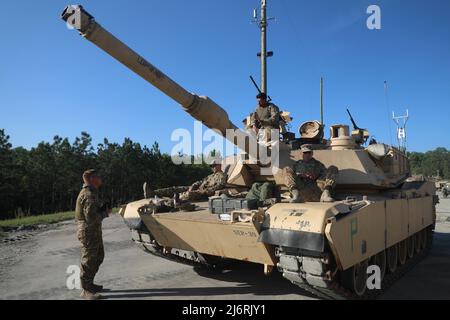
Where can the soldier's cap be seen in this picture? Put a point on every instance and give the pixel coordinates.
(306, 148)
(89, 174)
(261, 95)
(214, 162)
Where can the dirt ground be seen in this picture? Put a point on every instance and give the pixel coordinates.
(33, 265)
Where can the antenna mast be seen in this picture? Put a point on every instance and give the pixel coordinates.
(401, 129)
(321, 101)
(264, 54)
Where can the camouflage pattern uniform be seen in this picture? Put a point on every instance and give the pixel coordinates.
(205, 188)
(310, 190)
(268, 116)
(169, 192)
(89, 217)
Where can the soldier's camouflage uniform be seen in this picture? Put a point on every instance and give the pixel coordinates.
(206, 188)
(170, 191)
(269, 118)
(261, 191)
(200, 190)
(310, 190)
(89, 217)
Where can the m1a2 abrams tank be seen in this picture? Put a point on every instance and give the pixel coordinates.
(378, 217)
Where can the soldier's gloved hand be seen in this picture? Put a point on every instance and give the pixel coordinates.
(105, 214)
(105, 210)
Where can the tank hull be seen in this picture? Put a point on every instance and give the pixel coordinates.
(203, 232)
(313, 245)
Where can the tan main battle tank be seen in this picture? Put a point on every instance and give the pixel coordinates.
(378, 217)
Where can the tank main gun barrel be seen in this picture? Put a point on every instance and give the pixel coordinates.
(199, 107)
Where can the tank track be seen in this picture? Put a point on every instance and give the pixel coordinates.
(318, 282)
(149, 245)
(313, 276)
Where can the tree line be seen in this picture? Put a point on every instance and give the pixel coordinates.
(434, 163)
(47, 178)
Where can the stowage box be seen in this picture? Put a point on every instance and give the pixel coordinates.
(219, 205)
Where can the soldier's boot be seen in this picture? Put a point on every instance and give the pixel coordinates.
(96, 288)
(176, 199)
(89, 286)
(296, 196)
(326, 196)
(269, 202)
(148, 192)
(89, 295)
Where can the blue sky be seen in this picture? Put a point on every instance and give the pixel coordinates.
(54, 82)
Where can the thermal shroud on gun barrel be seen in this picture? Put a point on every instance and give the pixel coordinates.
(200, 108)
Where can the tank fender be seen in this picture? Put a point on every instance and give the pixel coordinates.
(131, 217)
(299, 225)
(293, 239)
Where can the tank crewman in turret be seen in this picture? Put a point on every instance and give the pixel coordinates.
(199, 190)
(265, 118)
(309, 180)
(89, 214)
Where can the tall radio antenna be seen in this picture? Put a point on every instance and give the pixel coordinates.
(264, 54)
(386, 96)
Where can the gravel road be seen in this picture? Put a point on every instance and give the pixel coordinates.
(34, 265)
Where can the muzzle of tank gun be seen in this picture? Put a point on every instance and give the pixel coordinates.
(77, 18)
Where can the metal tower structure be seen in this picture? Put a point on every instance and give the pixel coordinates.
(401, 122)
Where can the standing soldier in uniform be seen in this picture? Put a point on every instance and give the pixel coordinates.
(309, 180)
(199, 190)
(89, 215)
(265, 118)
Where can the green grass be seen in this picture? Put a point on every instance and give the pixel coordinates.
(35, 220)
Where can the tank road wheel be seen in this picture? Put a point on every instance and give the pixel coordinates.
(411, 244)
(392, 258)
(380, 260)
(423, 243)
(355, 278)
(418, 241)
(402, 252)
